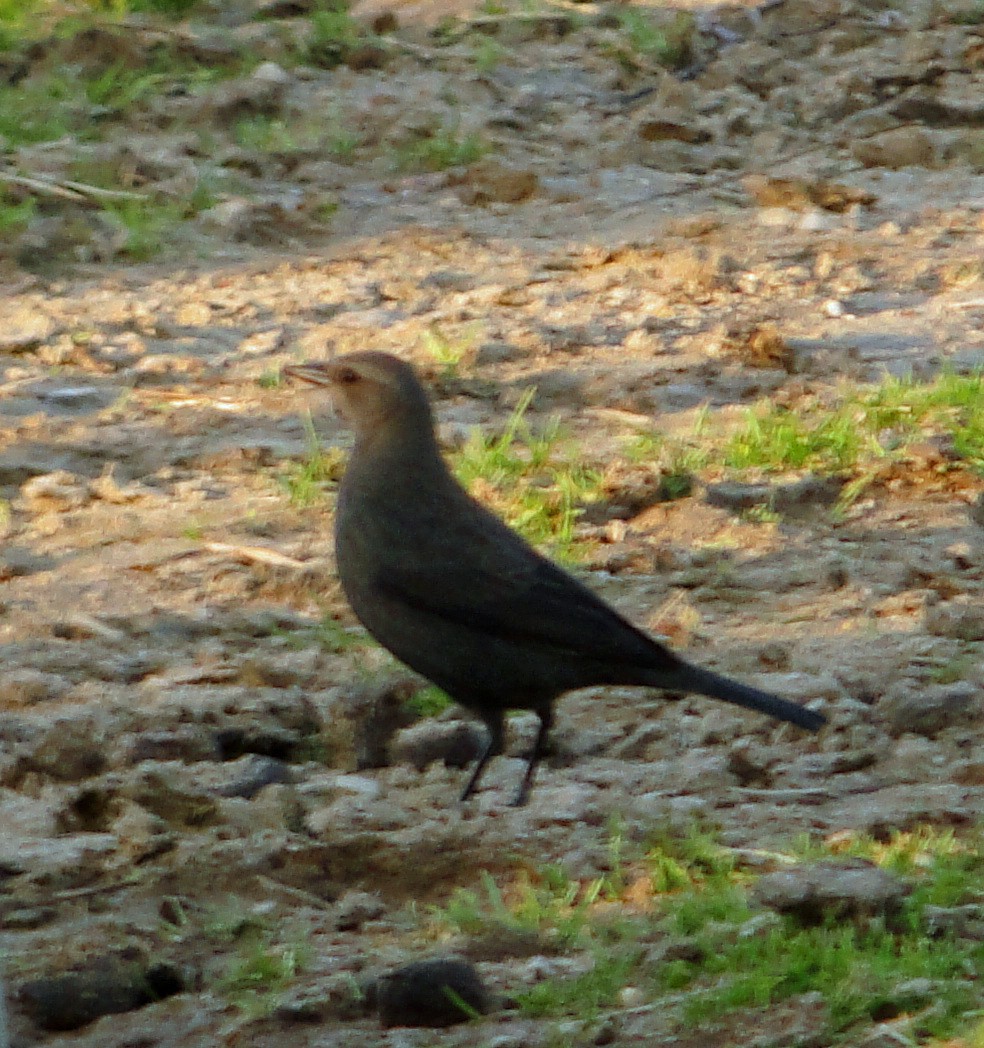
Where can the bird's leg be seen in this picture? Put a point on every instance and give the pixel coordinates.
(492, 749)
(539, 748)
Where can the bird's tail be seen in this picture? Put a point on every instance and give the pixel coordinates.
(704, 682)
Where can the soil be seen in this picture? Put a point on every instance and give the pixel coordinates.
(186, 743)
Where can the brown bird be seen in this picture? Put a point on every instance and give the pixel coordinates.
(462, 599)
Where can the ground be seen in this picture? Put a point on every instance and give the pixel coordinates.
(669, 230)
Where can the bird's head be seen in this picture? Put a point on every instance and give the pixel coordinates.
(372, 391)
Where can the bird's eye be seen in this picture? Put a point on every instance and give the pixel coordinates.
(347, 376)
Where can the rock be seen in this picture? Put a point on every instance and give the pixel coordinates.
(54, 492)
(160, 791)
(961, 618)
(353, 909)
(24, 330)
(437, 992)
(99, 986)
(377, 712)
(493, 181)
(896, 148)
(253, 773)
(71, 750)
(141, 834)
(802, 194)
(801, 495)
(456, 743)
(832, 890)
(927, 709)
(188, 742)
(28, 687)
(964, 922)
(261, 94)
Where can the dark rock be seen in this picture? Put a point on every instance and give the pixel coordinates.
(838, 890)
(783, 498)
(438, 992)
(253, 774)
(102, 986)
(928, 709)
(278, 744)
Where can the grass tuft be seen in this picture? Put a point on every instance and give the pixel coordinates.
(525, 478)
(738, 959)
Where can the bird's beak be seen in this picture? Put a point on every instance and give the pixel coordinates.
(318, 373)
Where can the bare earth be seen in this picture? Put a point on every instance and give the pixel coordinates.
(178, 742)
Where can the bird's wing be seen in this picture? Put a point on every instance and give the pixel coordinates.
(515, 594)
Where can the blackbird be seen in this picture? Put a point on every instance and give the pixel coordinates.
(458, 596)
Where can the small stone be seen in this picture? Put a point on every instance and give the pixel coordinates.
(439, 992)
(355, 908)
(493, 181)
(456, 743)
(631, 997)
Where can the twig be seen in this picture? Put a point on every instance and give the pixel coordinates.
(259, 554)
(68, 189)
(98, 193)
(298, 893)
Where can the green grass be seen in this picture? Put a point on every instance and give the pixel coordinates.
(15, 215)
(39, 109)
(487, 53)
(329, 634)
(308, 481)
(669, 45)
(267, 134)
(448, 352)
(440, 149)
(118, 86)
(334, 34)
(527, 480)
(857, 435)
(167, 8)
(865, 969)
(429, 702)
(148, 226)
(972, 15)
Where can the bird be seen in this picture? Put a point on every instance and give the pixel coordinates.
(460, 597)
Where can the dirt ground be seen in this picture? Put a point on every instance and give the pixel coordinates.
(180, 744)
